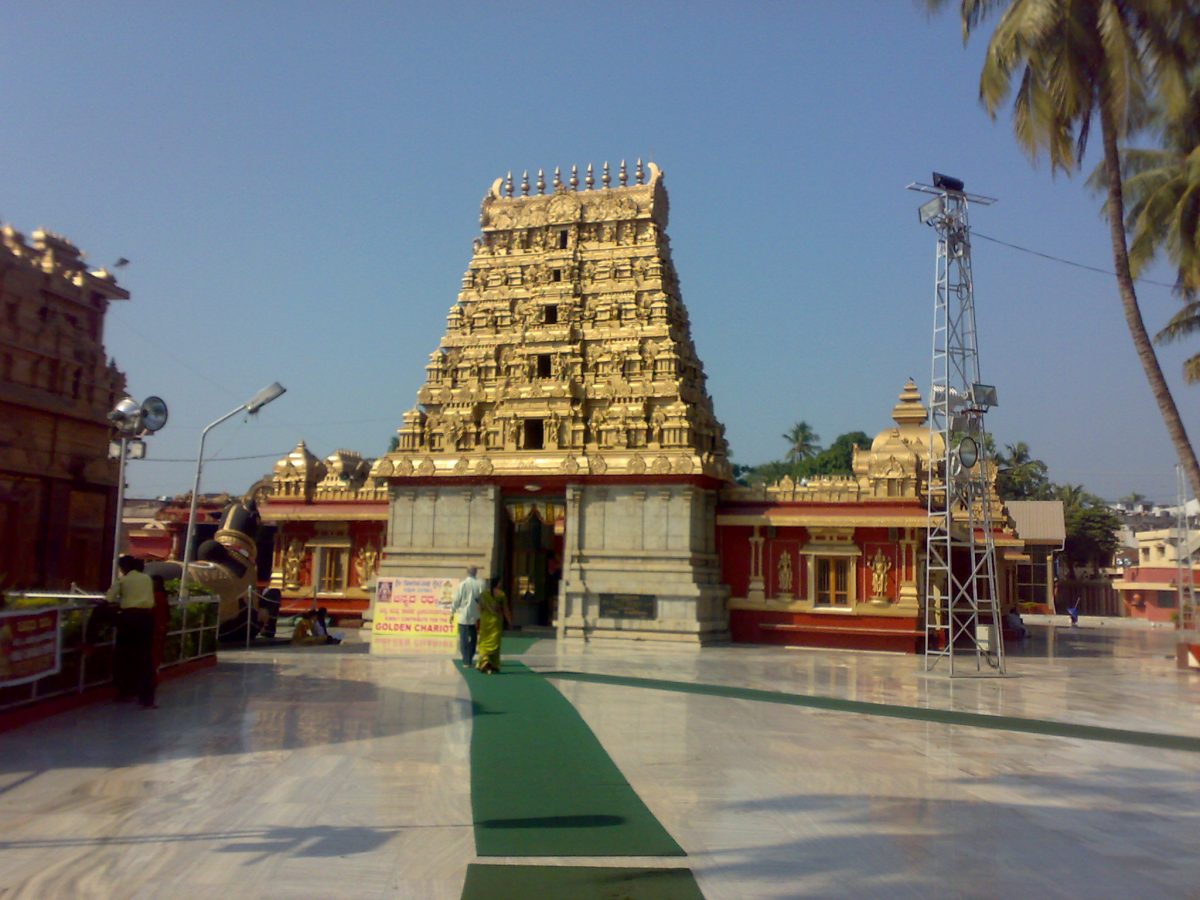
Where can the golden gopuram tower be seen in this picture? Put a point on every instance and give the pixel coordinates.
(564, 439)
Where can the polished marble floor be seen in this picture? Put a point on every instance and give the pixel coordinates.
(326, 772)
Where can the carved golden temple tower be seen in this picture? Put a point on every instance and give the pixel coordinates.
(564, 438)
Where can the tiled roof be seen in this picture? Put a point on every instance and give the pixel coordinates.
(1038, 521)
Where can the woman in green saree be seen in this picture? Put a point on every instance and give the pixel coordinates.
(494, 614)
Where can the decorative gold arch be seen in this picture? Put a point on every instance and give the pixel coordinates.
(547, 511)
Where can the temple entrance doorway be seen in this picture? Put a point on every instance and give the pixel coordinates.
(533, 552)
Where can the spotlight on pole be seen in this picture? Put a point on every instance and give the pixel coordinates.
(947, 182)
(131, 420)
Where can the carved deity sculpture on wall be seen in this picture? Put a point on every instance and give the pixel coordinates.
(881, 565)
(657, 421)
(291, 564)
(366, 563)
(784, 580)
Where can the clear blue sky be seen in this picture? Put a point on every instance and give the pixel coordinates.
(298, 184)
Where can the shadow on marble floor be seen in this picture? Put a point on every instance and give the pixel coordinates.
(241, 707)
(932, 847)
(313, 841)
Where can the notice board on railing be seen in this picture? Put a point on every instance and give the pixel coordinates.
(30, 645)
(412, 615)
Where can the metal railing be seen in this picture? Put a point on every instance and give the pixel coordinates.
(87, 653)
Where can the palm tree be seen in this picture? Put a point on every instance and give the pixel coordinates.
(1183, 324)
(1076, 61)
(1073, 497)
(1021, 477)
(803, 442)
(1162, 186)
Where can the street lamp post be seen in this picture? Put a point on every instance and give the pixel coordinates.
(251, 406)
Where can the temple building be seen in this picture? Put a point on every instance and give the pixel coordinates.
(329, 519)
(564, 434)
(838, 561)
(58, 488)
(564, 441)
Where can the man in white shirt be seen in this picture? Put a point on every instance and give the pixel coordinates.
(134, 672)
(465, 612)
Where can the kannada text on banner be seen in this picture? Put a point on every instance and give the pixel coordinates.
(29, 645)
(412, 615)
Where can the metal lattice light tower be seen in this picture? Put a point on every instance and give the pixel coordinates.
(962, 612)
(1185, 577)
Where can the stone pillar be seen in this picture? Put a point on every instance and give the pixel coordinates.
(640, 565)
(439, 531)
(909, 570)
(757, 588)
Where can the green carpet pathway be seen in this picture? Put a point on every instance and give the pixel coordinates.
(541, 785)
(1048, 727)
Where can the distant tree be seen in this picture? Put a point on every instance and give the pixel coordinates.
(1091, 527)
(768, 472)
(741, 473)
(802, 442)
(394, 444)
(1019, 476)
(837, 459)
(1133, 500)
(1091, 535)
(1073, 496)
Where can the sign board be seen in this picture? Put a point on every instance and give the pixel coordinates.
(412, 615)
(628, 606)
(30, 645)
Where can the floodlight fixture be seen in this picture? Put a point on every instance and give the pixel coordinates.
(125, 415)
(947, 182)
(954, 399)
(931, 210)
(983, 396)
(968, 452)
(153, 413)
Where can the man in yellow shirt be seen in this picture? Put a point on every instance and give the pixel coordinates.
(133, 662)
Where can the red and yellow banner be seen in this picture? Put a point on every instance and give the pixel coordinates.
(30, 647)
(412, 615)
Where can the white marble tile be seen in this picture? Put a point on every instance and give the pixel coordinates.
(289, 773)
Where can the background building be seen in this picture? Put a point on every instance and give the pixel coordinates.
(1149, 589)
(57, 485)
(328, 522)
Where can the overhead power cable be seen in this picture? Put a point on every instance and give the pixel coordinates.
(217, 458)
(1065, 262)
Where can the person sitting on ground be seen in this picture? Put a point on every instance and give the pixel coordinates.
(321, 628)
(1014, 625)
(304, 632)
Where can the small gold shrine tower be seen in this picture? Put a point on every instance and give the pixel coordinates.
(564, 439)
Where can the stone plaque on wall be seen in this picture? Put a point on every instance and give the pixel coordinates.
(628, 606)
